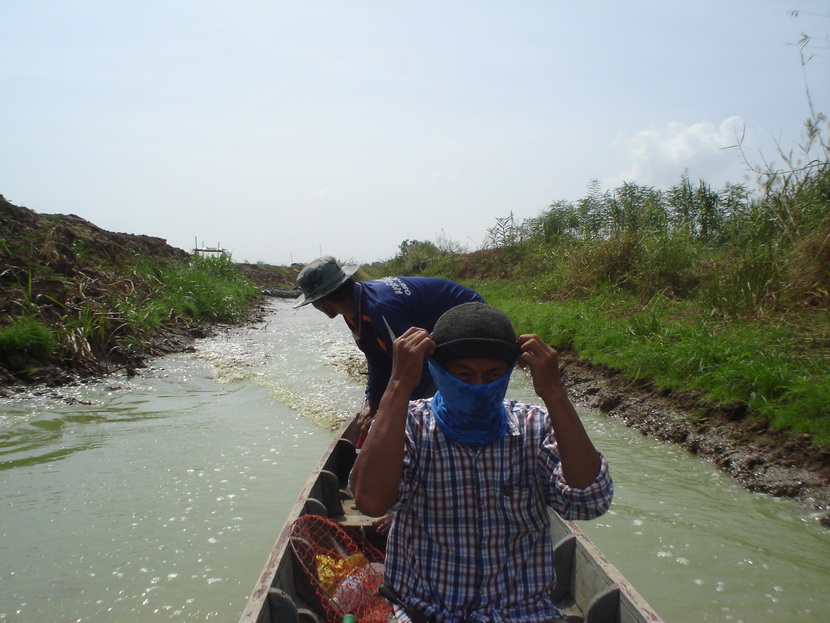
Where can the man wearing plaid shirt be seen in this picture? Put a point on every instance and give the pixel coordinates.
(470, 475)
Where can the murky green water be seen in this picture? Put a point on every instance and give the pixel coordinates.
(159, 498)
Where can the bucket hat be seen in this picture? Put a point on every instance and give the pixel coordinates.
(322, 277)
(474, 330)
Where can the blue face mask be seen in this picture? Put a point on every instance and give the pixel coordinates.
(469, 414)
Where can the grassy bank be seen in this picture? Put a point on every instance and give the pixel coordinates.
(722, 292)
(768, 367)
(113, 326)
(776, 366)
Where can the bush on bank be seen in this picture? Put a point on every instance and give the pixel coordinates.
(26, 337)
(205, 289)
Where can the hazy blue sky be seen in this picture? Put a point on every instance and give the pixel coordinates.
(284, 130)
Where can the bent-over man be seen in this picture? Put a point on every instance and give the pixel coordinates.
(377, 312)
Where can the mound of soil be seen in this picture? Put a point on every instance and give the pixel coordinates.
(50, 260)
(268, 276)
(59, 267)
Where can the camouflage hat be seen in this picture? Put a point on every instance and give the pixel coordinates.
(322, 277)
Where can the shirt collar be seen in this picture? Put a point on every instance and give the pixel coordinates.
(512, 420)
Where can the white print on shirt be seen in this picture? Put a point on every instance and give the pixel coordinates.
(397, 285)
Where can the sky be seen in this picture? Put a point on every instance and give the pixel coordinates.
(283, 131)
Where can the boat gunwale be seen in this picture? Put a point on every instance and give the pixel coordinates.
(257, 601)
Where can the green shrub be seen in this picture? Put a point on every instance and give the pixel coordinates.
(206, 289)
(26, 337)
(744, 282)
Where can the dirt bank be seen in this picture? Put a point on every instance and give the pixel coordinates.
(760, 459)
(66, 271)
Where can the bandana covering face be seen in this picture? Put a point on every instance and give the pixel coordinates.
(469, 414)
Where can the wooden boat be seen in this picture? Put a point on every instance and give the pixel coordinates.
(589, 587)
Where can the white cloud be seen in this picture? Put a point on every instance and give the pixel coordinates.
(659, 156)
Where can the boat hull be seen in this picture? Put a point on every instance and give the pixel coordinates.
(589, 587)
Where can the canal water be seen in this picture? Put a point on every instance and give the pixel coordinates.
(158, 498)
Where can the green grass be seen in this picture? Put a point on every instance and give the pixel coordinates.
(766, 366)
(26, 337)
(205, 289)
(200, 290)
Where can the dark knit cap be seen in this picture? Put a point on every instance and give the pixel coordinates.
(474, 330)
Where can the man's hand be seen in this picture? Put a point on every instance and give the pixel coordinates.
(543, 362)
(580, 460)
(365, 417)
(409, 352)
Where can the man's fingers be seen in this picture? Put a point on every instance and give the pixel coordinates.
(416, 340)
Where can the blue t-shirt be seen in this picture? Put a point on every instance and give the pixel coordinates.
(385, 308)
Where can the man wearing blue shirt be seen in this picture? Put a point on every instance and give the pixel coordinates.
(377, 312)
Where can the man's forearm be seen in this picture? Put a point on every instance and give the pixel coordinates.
(377, 471)
(580, 460)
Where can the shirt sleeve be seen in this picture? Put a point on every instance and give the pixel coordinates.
(414, 429)
(572, 502)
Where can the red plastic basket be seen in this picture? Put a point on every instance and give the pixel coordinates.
(344, 569)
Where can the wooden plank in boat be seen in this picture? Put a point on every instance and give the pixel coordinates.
(593, 575)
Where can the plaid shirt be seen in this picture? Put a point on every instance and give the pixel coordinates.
(471, 539)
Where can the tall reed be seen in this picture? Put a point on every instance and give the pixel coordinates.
(724, 292)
